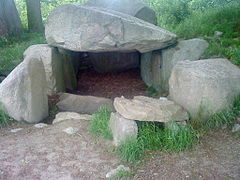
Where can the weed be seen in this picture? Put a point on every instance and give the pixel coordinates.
(131, 150)
(99, 124)
(152, 92)
(173, 137)
(5, 120)
(178, 138)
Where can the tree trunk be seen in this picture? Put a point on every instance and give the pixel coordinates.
(35, 23)
(10, 23)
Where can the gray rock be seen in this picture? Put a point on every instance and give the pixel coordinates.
(114, 61)
(63, 116)
(40, 125)
(149, 109)
(122, 128)
(53, 65)
(83, 104)
(204, 87)
(218, 33)
(136, 8)
(236, 128)
(71, 130)
(121, 168)
(90, 29)
(16, 130)
(23, 94)
(156, 66)
(191, 50)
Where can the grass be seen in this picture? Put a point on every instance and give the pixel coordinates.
(172, 138)
(152, 92)
(204, 23)
(5, 120)
(11, 49)
(218, 120)
(99, 123)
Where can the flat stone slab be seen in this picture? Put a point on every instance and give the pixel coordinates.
(64, 116)
(91, 29)
(83, 104)
(143, 108)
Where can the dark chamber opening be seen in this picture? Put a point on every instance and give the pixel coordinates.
(110, 75)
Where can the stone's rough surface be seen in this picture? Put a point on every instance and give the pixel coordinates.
(63, 116)
(191, 49)
(114, 61)
(136, 8)
(69, 72)
(204, 86)
(83, 104)
(71, 130)
(149, 109)
(84, 28)
(23, 94)
(156, 66)
(16, 130)
(122, 128)
(115, 172)
(236, 128)
(40, 125)
(53, 66)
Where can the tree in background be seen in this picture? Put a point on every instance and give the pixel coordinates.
(34, 16)
(10, 23)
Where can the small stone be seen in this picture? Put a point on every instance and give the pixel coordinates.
(236, 128)
(163, 99)
(16, 130)
(40, 125)
(218, 33)
(71, 130)
(114, 172)
(63, 116)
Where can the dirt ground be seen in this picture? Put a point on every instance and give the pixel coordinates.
(51, 154)
(110, 85)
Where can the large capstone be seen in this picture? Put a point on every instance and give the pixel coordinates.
(136, 8)
(204, 87)
(90, 29)
(23, 94)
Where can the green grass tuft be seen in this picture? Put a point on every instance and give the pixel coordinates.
(131, 150)
(5, 120)
(218, 120)
(172, 138)
(99, 124)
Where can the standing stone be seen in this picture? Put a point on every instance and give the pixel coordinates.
(53, 65)
(83, 104)
(143, 108)
(23, 94)
(156, 66)
(122, 128)
(136, 8)
(90, 29)
(191, 50)
(204, 87)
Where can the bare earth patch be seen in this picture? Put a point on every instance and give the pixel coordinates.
(51, 154)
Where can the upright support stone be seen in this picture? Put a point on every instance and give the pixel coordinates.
(53, 65)
(122, 128)
(23, 94)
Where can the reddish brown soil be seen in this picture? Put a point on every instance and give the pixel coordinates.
(111, 85)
